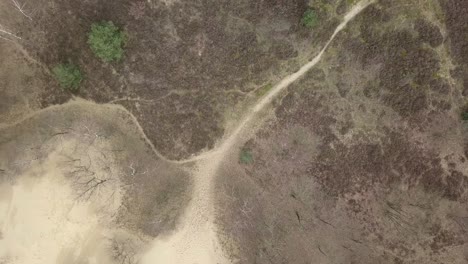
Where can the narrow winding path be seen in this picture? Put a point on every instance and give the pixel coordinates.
(196, 240)
(115, 107)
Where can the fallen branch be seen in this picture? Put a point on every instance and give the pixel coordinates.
(321, 251)
(20, 8)
(91, 185)
(8, 33)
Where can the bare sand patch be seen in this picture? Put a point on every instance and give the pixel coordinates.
(79, 184)
(196, 240)
(41, 217)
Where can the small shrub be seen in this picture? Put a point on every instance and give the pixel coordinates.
(68, 75)
(106, 41)
(245, 156)
(464, 115)
(309, 19)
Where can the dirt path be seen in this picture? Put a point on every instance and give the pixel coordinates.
(86, 103)
(196, 240)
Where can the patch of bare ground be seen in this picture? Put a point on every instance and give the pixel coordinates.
(364, 159)
(80, 185)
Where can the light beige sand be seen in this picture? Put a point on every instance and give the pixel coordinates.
(196, 240)
(42, 222)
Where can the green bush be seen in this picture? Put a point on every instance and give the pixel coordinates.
(464, 115)
(106, 41)
(68, 75)
(309, 19)
(245, 156)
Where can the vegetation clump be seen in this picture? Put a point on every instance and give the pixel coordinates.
(464, 115)
(106, 41)
(309, 19)
(68, 75)
(245, 156)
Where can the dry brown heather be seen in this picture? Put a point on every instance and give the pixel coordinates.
(186, 62)
(365, 159)
(176, 154)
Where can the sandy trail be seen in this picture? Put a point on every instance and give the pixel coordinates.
(247, 119)
(86, 103)
(196, 240)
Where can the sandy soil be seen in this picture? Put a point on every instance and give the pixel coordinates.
(49, 164)
(196, 240)
(42, 221)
